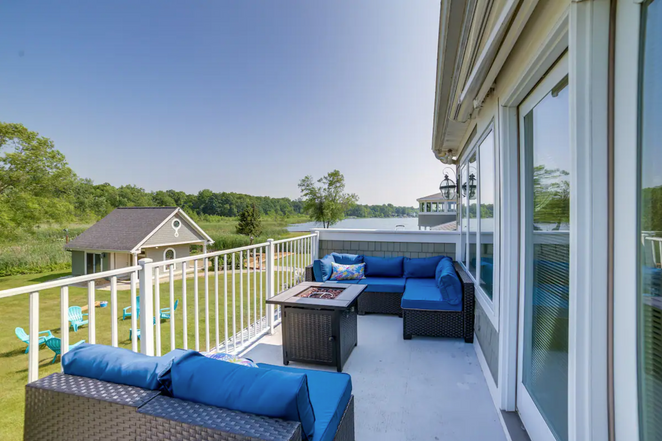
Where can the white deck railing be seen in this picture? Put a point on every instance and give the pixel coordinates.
(250, 275)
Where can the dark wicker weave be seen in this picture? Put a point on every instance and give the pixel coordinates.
(319, 336)
(380, 303)
(66, 407)
(455, 324)
(371, 302)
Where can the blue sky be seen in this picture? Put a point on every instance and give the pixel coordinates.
(246, 96)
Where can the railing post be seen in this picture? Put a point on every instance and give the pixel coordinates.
(316, 246)
(270, 285)
(33, 354)
(64, 320)
(458, 247)
(146, 308)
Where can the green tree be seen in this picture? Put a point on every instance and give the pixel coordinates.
(36, 183)
(249, 222)
(325, 201)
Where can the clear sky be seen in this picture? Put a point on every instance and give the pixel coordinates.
(246, 96)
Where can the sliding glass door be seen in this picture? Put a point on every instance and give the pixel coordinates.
(542, 392)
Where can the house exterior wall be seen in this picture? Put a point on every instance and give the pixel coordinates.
(77, 263)
(166, 234)
(386, 249)
(488, 339)
(156, 254)
(434, 219)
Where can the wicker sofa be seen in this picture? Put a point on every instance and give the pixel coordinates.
(420, 318)
(68, 407)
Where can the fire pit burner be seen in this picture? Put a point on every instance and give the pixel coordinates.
(316, 292)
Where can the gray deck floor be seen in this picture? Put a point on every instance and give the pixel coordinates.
(409, 390)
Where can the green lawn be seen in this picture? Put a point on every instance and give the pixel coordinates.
(15, 312)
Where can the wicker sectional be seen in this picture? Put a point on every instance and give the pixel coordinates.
(420, 322)
(70, 408)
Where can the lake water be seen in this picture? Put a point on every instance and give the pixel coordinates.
(389, 223)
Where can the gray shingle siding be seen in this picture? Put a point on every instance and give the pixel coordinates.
(386, 249)
(488, 338)
(166, 234)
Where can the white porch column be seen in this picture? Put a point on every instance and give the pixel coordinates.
(270, 284)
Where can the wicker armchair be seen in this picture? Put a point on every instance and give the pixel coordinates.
(454, 324)
(67, 407)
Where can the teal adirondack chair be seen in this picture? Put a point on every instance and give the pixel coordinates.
(25, 338)
(55, 345)
(126, 313)
(76, 317)
(165, 312)
(131, 334)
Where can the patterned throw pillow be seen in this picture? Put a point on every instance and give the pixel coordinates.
(347, 272)
(230, 358)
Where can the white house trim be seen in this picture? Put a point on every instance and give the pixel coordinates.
(165, 221)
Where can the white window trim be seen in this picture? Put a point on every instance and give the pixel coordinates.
(174, 254)
(490, 306)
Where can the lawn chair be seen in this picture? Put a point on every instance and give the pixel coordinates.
(25, 338)
(126, 313)
(55, 345)
(165, 312)
(76, 317)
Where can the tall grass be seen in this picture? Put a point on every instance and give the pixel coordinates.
(43, 250)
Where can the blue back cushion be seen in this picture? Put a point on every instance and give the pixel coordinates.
(448, 282)
(270, 393)
(421, 268)
(383, 266)
(121, 366)
(322, 268)
(347, 259)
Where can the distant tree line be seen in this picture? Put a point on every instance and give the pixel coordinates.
(38, 187)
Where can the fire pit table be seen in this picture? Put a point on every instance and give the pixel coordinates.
(319, 322)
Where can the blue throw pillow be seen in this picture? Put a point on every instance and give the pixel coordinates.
(121, 366)
(383, 266)
(322, 268)
(448, 282)
(347, 259)
(271, 393)
(421, 268)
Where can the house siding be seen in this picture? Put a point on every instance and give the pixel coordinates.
(156, 254)
(387, 249)
(166, 234)
(488, 339)
(77, 263)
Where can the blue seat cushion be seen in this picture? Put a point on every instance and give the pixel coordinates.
(266, 392)
(347, 259)
(120, 366)
(384, 284)
(424, 294)
(322, 268)
(383, 266)
(448, 282)
(330, 393)
(421, 268)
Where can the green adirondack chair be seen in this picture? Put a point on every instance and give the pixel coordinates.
(165, 312)
(55, 345)
(76, 317)
(25, 338)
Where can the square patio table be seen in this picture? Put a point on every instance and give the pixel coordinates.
(319, 330)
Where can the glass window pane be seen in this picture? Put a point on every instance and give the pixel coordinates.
(650, 220)
(472, 188)
(547, 248)
(461, 214)
(487, 193)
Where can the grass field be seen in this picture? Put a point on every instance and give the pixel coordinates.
(13, 361)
